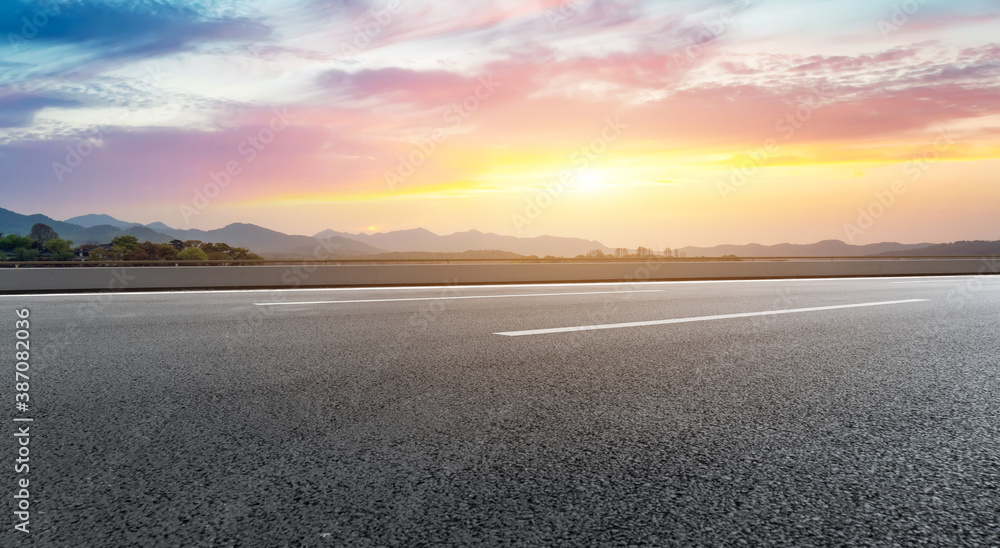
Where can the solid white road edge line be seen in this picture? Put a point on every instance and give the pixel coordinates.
(947, 279)
(697, 318)
(463, 297)
(459, 286)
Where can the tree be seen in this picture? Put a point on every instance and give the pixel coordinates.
(145, 251)
(211, 248)
(42, 233)
(667, 253)
(13, 241)
(100, 254)
(122, 247)
(142, 252)
(239, 253)
(192, 254)
(126, 241)
(166, 252)
(25, 254)
(177, 245)
(61, 249)
(595, 254)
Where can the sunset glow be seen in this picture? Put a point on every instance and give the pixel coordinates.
(631, 122)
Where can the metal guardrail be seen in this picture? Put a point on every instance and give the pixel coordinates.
(644, 260)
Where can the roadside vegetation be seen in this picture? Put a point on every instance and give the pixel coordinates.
(44, 244)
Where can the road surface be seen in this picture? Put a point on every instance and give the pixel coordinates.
(788, 413)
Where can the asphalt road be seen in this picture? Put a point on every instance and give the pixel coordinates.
(406, 418)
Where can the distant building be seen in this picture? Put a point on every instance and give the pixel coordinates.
(82, 254)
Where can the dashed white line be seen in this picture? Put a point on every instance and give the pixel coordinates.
(463, 297)
(698, 318)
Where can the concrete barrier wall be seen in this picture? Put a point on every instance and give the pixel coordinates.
(150, 278)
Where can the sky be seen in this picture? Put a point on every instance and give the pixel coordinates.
(633, 122)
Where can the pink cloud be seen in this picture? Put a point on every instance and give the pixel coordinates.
(747, 115)
(392, 85)
(363, 121)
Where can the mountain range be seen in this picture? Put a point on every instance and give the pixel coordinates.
(16, 223)
(92, 220)
(420, 239)
(99, 228)
(825, 248)
(263, 241)
(977, 248)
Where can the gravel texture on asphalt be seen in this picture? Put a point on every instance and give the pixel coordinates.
(201, 419)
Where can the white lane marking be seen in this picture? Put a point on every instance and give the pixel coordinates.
(697, 318)
(463, 297)
(457, 286)
(944, 280)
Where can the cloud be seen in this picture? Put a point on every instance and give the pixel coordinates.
(422, 88)
(354, 124)
(166, 164)
(115, 30)
(840, 63)
(747, 115)
(19, 110)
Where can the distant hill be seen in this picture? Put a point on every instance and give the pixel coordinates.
(144, 234)
(419, 243)
(826, 248)
(419, 239)
(16, 223)
(475, 254)
(91, 220)
(272, 244)
(160, 227)
(976, 247)
(265, 242)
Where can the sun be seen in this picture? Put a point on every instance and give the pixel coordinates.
(592, 179)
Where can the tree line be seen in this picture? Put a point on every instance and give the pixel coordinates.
(129, 248)
(624, 252)
(122, 248)
(41, 238)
